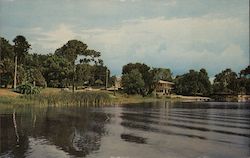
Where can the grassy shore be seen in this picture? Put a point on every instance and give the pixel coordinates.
(56, 97)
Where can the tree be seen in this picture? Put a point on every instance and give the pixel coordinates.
(161, 74)
(99, 72)
(226, 82)
(193, 83)
(6, 49)
(133, 82)
(74, 49)
(71, 50)
(145, 72)
(57, 71)
(245, 72)
(92, 56)
(112, 81)
(34, 76)
(244, 80)
(6, 57)
(205, 87)
(7, 73)
(83, 73)
(21, 48)
(99, 82)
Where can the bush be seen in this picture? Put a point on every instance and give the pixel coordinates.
(27, 88)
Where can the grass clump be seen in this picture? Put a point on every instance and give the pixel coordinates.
(77, 98)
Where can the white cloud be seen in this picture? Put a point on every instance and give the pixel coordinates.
(8, 0)
(178, 43)
(170, 3)
(53, 39)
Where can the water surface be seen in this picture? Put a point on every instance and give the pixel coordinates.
(146, 130)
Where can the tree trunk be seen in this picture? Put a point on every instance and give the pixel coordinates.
(15, 125)
(15, 75)
(73, 85)
(106, 85)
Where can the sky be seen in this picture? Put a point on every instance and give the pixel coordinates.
(176, 34)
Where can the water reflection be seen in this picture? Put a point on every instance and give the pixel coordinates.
(132, 138)
(76, 131)
(158, 129)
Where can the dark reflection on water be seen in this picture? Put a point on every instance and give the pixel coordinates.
(77, 131)
(157, 129)
(132, 138)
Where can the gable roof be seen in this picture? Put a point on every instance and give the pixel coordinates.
(165, 82)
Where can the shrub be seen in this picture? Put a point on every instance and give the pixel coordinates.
(27, 88)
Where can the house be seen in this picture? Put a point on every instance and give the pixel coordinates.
(117, 84)
(164, 87)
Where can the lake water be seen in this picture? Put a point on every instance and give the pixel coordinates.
(148, 130)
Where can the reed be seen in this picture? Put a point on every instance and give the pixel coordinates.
(69, 98)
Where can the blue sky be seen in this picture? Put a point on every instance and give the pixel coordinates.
(175, 34)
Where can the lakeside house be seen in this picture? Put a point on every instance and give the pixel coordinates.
(164, 87)
(117, 84)
(243, 98)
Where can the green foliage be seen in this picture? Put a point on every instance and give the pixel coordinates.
(226, 82)
(6, 49)
(78, 98)
(80, 72)
(28, 89)
(92, 56)
(83, 73)
(71, 50)
(6, 62)
(112, 80)
(244, 80)
(6, 71)
(161, 74)
(21, 48)
(57, 71)
(35, 76)
(99, 72)
(133, 82)
(245, 72)
(149, 76)
(193, 83)
(157, 74)
(99, 82)
(144, 70)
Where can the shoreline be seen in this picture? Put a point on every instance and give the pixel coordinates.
(8, 98)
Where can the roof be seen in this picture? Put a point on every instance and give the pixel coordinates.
(165, 82)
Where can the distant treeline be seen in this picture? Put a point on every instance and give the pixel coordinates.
(74, 65)
(141, 79)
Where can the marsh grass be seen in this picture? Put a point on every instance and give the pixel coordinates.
(69, 98)
(14, 101)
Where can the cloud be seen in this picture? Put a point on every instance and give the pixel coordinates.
(181, 44)
(7, 0)
(53, 39)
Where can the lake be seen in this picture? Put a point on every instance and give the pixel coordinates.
(146, 130)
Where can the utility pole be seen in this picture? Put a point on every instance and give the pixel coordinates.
(0, 65)
(73, 85)
(106, 78)
(15, 74)
(114, 85)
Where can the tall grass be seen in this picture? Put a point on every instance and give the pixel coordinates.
(69, 98)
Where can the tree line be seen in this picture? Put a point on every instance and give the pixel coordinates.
(139, 78)
(73, 64)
